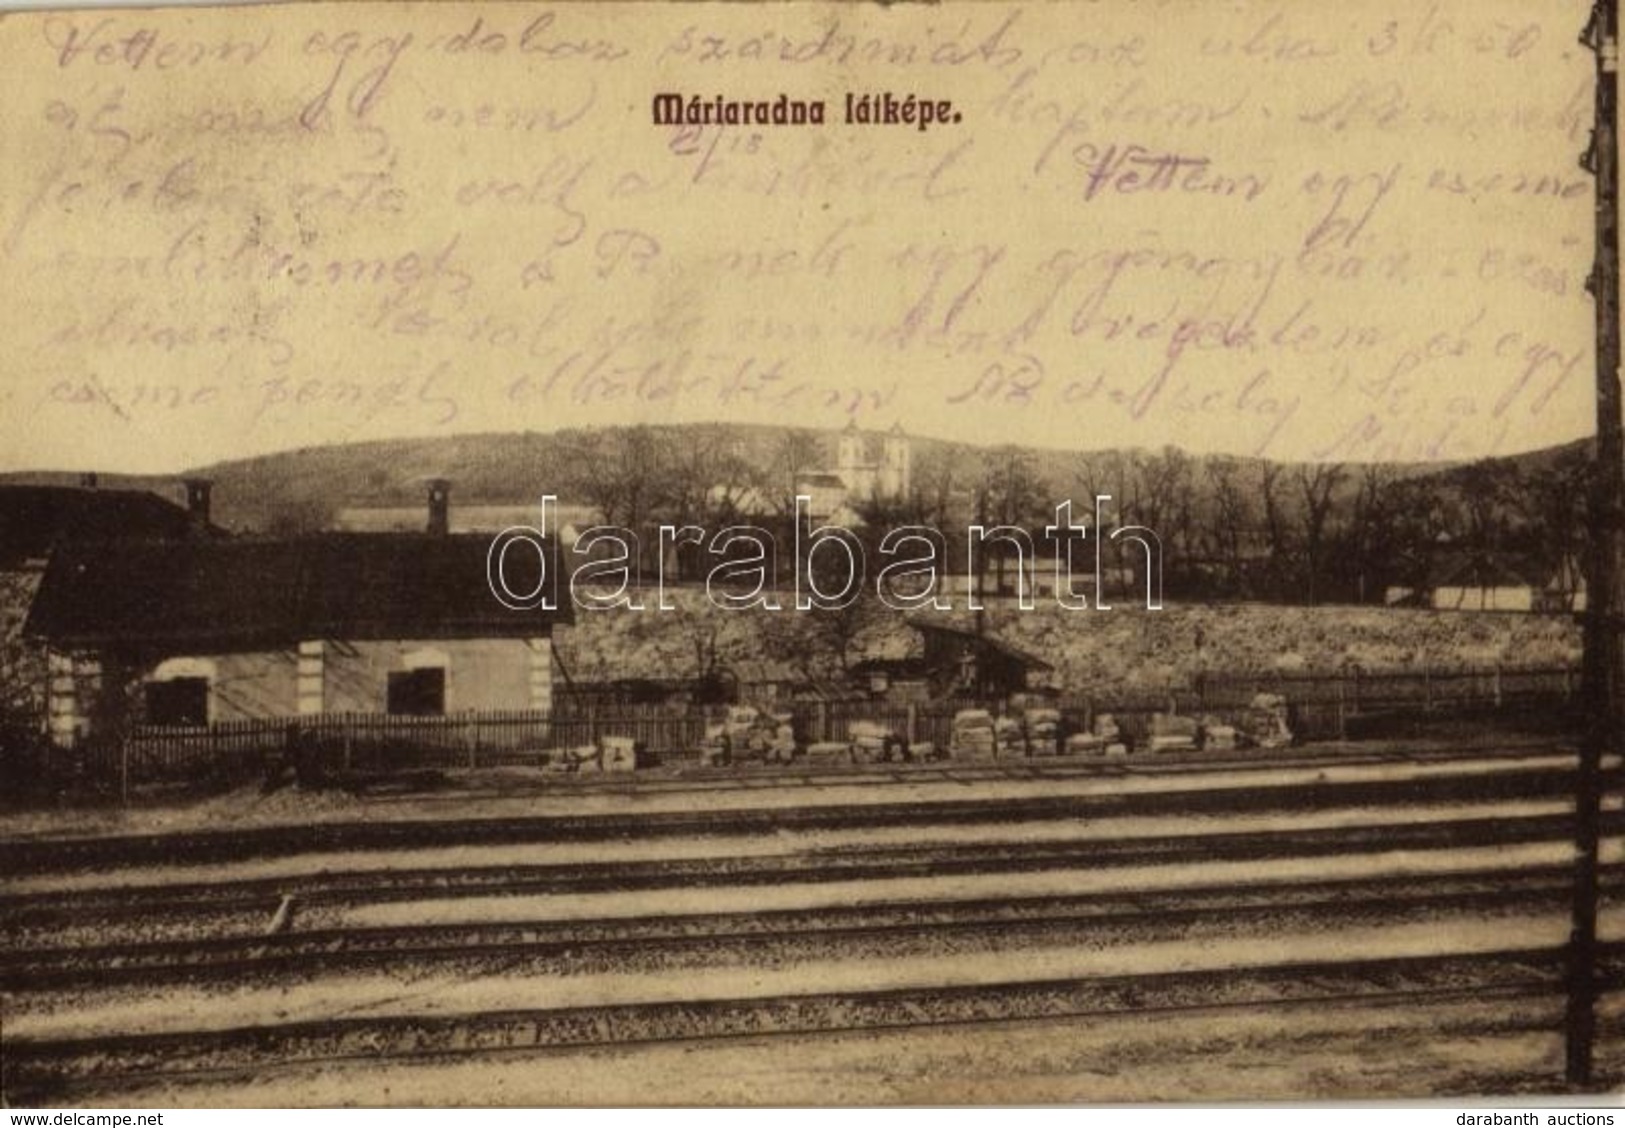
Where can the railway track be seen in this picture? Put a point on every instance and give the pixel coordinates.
(251, 897)
(56, 855)
(885, 929)
(37, 1072)
(105, 942)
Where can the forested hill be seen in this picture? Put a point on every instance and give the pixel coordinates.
(1207, 508)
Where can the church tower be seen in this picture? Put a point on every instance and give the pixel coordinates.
(852, 462)
(895, 468)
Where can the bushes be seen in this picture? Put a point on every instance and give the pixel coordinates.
(1100, 651)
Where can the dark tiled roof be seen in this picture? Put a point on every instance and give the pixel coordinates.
(901, 668)
(237, 594)
(35, 519)
(985, 641)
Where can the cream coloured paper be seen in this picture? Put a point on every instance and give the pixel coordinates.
(1341, 231)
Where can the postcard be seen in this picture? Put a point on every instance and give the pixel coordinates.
(808, 553)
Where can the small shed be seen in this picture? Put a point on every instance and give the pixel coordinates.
(1484, 581)
(964, 660)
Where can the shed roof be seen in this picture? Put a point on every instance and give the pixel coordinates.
(984, 641)
(236, 594)
(1482, 570)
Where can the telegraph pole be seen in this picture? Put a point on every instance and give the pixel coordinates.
(1605, 601)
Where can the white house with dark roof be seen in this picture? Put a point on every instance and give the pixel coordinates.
(199, 630)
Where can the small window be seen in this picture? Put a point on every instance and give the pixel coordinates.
(418, 693)
(178, 701)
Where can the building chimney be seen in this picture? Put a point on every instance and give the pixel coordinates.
(197, 501)
(439, 507)
(88, 480)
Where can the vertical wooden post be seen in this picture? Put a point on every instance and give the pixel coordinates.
(310, 665)
(62, 696)
(1604, 695)
(124, 770)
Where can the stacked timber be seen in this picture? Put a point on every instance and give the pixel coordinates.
(580, 758)
(1085, 744)
(1011, 738)
(829, 752)
(1173, 733)
(870, 741)
(972, 737)
(1266, 721)
(618, 754)
(1043, 730)
(781, 745)
(1107, 728)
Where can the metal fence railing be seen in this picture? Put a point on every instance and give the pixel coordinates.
(1322, 706)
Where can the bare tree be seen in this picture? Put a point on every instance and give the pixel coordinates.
(938, 475)
(1370, 538)
(625, 473)
(1110, 473)
(1488, 489)
(1229, 515)
(1421, 519)
(1272, 499)
(1554, 509)
(1162, 497)
(1011, 493)
(798, 453)
(1318, 484)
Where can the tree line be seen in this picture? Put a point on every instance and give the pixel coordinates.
(1230, 527)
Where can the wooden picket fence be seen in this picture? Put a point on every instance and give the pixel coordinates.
(1322, 707)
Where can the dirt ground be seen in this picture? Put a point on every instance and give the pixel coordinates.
(1280, 1054)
